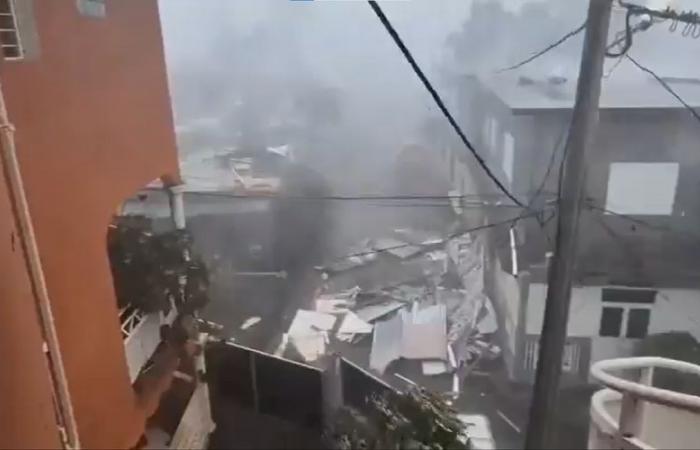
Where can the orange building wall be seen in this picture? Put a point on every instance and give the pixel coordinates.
(94, 124)
(26, 409)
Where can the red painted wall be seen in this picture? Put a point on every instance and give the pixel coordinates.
(26, 409)
(94, 124)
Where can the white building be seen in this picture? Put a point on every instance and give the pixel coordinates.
(637, 268)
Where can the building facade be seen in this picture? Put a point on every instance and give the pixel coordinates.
(86, 92)
(636, 272)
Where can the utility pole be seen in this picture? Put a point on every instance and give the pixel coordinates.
(543, 410)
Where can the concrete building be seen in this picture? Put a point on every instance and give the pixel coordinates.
(86, 93)
(636, 267)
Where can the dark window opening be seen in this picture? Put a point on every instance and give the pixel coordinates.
(611, 322)
(628, 295)
(9, 38)
(638, 323)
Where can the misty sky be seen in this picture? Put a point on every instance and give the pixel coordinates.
(223, 53)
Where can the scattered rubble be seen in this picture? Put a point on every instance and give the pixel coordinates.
(309, 333)
(419, 296)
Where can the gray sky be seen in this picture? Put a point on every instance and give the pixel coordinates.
(219, 51)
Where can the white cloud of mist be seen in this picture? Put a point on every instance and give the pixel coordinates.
(266, 54)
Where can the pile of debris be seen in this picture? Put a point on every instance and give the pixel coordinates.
(431, 309)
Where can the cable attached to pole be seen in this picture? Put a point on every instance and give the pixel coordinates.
(436, 97)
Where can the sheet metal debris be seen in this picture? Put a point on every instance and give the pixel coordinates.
(404, 302)
(386, 344)
(418, 334)
(249, 322)
(309, 333)
(332, 306)
(353, 325)
(370, 313)
(306, 321)
(424, 333)
(395, 247)
(433, 367)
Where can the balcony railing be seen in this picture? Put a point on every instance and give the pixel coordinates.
(141, 335)
(637, 415)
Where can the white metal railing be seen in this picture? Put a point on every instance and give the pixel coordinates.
(637, 415)
(141, 335)
(130, 318)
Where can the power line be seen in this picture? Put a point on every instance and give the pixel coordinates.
(442, 241)
(661, 228)
(552, 158)
(438, 101)
(665, 85)
(550, 47)
(644, 272)
(688, 17)
(347, 198)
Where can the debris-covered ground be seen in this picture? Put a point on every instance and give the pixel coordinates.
(413, 297)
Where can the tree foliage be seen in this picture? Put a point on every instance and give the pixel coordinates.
(415, 419)
(150, 269)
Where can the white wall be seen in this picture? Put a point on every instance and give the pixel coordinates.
(508, 156)
(508, 297)
(642, 188)
(673, 310)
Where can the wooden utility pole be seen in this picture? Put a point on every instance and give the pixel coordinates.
(543, 410)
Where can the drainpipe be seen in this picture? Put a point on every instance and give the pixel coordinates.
(177, 205)
(13, 178)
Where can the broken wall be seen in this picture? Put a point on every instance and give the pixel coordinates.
(509, 296)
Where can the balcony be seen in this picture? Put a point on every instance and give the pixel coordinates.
(635, 414)
(141, 335)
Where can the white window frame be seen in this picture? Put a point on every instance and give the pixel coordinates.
(626, 308)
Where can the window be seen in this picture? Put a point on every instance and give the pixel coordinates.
(638, 323)
(626, 312)
(9, 34)
(93, 8)
(611, 322)
(642, 188)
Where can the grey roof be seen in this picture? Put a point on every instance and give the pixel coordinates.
(539, 94)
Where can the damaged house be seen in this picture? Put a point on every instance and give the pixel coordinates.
(637, 269)
(410, 304)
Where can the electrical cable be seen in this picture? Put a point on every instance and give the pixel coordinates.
(543, 222)
(341, 197)
(550, 47)
(438, 100)
(442, 241)
(644, 272)
(552, 158)
(665, 85)
(695, 238)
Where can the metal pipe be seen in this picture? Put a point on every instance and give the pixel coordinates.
(22, 215)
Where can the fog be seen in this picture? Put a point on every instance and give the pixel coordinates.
(326, 78)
